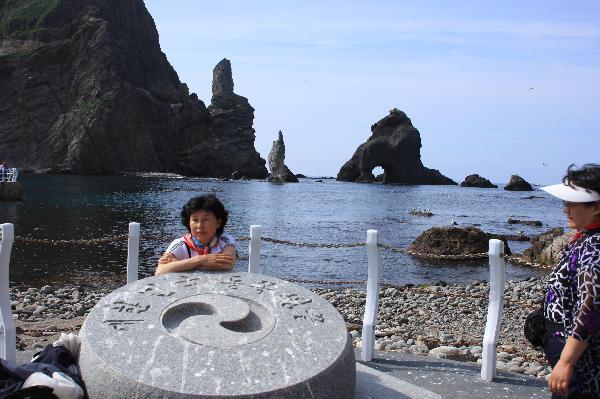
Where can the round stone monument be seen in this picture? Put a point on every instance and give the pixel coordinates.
(210, 335)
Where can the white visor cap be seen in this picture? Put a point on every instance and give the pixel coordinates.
(572, 194)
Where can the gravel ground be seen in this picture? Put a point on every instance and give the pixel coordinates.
(436, 320)
(448, 321)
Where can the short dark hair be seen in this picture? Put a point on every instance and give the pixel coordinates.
(588, 176)
(208, 203)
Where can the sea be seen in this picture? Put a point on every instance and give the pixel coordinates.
(64, 208)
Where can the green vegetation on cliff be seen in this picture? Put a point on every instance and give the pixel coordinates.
(93, 105)
(19, 19)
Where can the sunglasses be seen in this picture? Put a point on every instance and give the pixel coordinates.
(568, 204)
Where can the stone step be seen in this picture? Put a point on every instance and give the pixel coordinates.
(414, 376)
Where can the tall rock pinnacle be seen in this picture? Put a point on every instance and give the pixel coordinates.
(280, 173)
(232, 119)
(222, 79)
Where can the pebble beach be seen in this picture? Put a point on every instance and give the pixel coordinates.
(441, 320)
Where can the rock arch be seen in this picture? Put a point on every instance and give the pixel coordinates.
(395, 145)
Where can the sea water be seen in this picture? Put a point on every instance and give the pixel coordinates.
(68, 207)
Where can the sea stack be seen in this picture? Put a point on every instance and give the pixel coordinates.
(394, 145)
(280, 173)
(517, 183)
(232, 118)
(477, 181)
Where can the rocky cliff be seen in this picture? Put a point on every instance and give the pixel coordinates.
(394, 145)
(85, 88)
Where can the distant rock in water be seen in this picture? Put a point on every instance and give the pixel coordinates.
(517, 183)
(394, 145)
(279, 172)
(454, 241)
(421, 212)
(547, 248)
(86, 89)
(536, 223)
(477, 181)
(517, 237)
(300, 176)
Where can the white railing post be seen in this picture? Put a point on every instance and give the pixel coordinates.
(254, 249)
(496, 304)
(8, 340)
(370, 318)
(133, 252)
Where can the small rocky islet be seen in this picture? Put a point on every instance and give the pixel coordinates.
(439, 320)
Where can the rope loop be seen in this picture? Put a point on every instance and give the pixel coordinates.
(312, 245)
(92, 241)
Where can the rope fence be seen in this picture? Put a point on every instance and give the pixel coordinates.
(496, 299)
(123, 237)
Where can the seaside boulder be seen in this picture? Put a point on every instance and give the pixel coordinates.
(280, 173)
(454, 241)
(477, 181)
(517, 183)
(395, 146)
(547, 248)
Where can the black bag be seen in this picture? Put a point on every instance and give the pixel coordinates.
(538, 328)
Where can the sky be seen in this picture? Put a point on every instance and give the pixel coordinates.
(494, 87)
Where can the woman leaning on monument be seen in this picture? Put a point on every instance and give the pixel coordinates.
(206, 246)
(572, 301)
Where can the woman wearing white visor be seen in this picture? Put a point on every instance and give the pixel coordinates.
(573, 292)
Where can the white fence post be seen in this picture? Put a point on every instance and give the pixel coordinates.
(496, 304)
(133, 252)
(8, 340)
(254, 249)
(370, 318)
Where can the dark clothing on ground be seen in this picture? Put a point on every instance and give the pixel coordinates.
(52, 359)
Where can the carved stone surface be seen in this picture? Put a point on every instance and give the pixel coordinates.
(209, 335)
(395, 145)
(280, 173)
